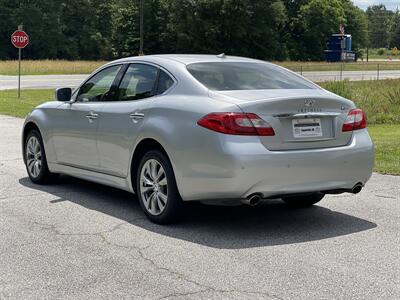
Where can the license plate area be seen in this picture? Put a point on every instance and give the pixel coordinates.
(307, 128)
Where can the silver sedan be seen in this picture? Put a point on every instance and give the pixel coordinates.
(175, 128)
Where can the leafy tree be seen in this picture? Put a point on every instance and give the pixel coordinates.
(265, 29)
(356, 24)
(395, 30)
(126, 28)
(378, 23)
(85, 27)
(157, 39)
(6, 27)
(40, 19)
(315, 22)
(250, 28)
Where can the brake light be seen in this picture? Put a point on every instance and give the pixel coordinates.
(356, 119)
(237, 124)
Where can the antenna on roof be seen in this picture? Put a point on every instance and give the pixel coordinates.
(222, 55)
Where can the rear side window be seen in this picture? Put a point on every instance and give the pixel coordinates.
(164, 82)
(225, 76)
(138, 82)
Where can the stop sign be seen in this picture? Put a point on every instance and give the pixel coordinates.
(20, 39)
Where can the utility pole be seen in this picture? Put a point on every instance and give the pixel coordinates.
(141, 27)
(368, 40)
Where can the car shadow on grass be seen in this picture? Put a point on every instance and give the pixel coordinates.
(268, 224)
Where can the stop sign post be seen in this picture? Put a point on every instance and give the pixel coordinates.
(20, 40)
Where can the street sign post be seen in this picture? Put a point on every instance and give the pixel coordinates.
(20, 40)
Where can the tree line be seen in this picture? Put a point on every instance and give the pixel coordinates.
(265, 29)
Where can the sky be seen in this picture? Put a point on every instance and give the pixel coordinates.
(390, 4)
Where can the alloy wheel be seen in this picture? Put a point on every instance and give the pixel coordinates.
(34, 156)
(153, 187)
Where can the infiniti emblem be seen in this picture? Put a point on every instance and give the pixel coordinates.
(309, 102)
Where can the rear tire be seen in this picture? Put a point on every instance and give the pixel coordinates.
(303, 201)
(156, 188)
(35, 159)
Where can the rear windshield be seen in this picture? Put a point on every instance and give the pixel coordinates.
(226, 76)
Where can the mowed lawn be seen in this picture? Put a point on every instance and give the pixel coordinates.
(387, 148)
(386, 137)
(12, 106)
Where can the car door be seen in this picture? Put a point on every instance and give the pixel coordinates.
(76, 123)
(123, 117)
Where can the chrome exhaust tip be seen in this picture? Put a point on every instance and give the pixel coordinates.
(252, 200)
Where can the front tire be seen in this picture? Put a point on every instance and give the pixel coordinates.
(156, 188)
(35, 159)
(303, 201)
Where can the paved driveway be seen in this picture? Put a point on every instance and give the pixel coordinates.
(79, 240)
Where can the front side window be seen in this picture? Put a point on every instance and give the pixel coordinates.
(98, 87)
(224, 76)
(138, 82)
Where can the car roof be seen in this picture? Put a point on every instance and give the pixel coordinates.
(189, 58)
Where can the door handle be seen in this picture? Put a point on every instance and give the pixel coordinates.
(136, 116)
(92, 116)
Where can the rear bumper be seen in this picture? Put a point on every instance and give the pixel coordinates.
(241, 167)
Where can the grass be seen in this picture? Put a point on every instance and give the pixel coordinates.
(382, 53)
(12, 106)
(386, 137)
(387, 148)
(380, 99)
(48, 67)
(337, 67)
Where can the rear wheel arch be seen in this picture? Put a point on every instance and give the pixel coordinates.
(141, 149)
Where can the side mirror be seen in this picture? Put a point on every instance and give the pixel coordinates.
(63, 94)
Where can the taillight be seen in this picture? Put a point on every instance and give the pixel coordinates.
(237, 123)
(356, 119)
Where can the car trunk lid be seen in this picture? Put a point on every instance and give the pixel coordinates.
(301, 119)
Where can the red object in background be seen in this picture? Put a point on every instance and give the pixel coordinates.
(20, 39)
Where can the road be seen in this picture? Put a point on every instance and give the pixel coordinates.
(321, 76)
(55, 81)
(78, 240)
(41, 81)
